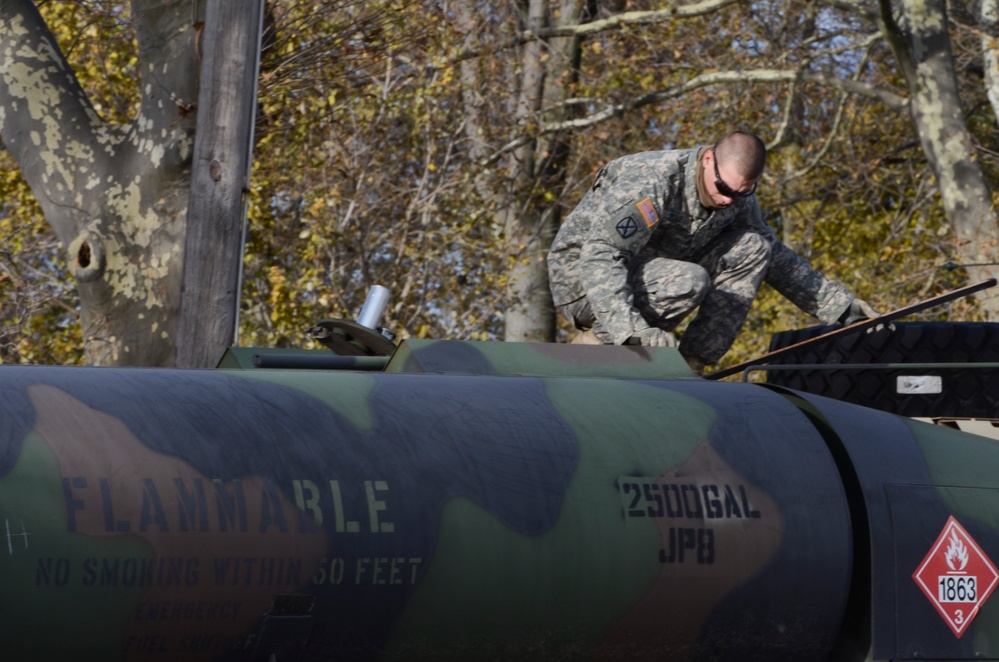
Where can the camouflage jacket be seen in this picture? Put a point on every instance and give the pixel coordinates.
(646, 205)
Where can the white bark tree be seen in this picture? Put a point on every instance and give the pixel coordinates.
(922, 47)
(115, 195)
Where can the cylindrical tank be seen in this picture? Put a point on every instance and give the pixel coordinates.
(228, 515)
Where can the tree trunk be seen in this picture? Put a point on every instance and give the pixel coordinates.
(990, 51)
(116, 196)
(523, 222)
(526, 197)
(937, 112)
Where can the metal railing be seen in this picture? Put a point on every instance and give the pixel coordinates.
(867, 366)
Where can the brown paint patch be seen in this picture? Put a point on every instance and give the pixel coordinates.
(671, 615)
(94, 445)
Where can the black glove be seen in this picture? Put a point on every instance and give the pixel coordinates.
(652, 337)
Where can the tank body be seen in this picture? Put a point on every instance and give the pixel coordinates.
(452, 508)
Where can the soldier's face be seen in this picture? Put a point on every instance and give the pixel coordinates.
(724, 183)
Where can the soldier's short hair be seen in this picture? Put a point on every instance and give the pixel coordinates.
(743, 150)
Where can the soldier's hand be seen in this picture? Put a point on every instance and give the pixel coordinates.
(652, 337)
(858, 311)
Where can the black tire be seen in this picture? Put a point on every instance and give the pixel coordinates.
(965, 392)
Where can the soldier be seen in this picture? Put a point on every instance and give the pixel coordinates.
(661, 233)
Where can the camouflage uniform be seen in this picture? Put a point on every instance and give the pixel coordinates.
(640, 250)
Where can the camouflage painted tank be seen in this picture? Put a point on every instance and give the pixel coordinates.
(488, 501)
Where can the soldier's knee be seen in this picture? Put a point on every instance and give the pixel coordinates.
(672, 278)
(699, 282)
(679, 293)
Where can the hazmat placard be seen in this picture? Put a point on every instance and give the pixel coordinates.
(956, 576)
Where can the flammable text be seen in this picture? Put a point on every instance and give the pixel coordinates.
(199, 505)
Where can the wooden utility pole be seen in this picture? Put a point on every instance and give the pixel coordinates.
(219, 181)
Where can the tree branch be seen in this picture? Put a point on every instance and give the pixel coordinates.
(897, 41)
(54, 116)
(840, 108)
(893, 101)
(165, 34)
(585, 29)
(855, 7)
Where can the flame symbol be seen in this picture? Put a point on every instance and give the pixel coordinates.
(957, 553)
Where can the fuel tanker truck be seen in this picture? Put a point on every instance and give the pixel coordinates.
(458, 500)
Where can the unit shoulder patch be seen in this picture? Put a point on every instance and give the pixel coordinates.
(627, 227)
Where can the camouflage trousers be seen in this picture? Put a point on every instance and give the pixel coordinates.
(722, 281)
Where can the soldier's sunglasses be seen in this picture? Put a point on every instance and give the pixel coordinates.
(724, 188)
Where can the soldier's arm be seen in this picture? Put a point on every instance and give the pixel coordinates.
(792, 276)
(605, 257)
(605, 279)
(805, 287)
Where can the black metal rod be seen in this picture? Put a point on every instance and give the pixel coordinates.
(863, 325)
(331, 362)
(788, 367)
